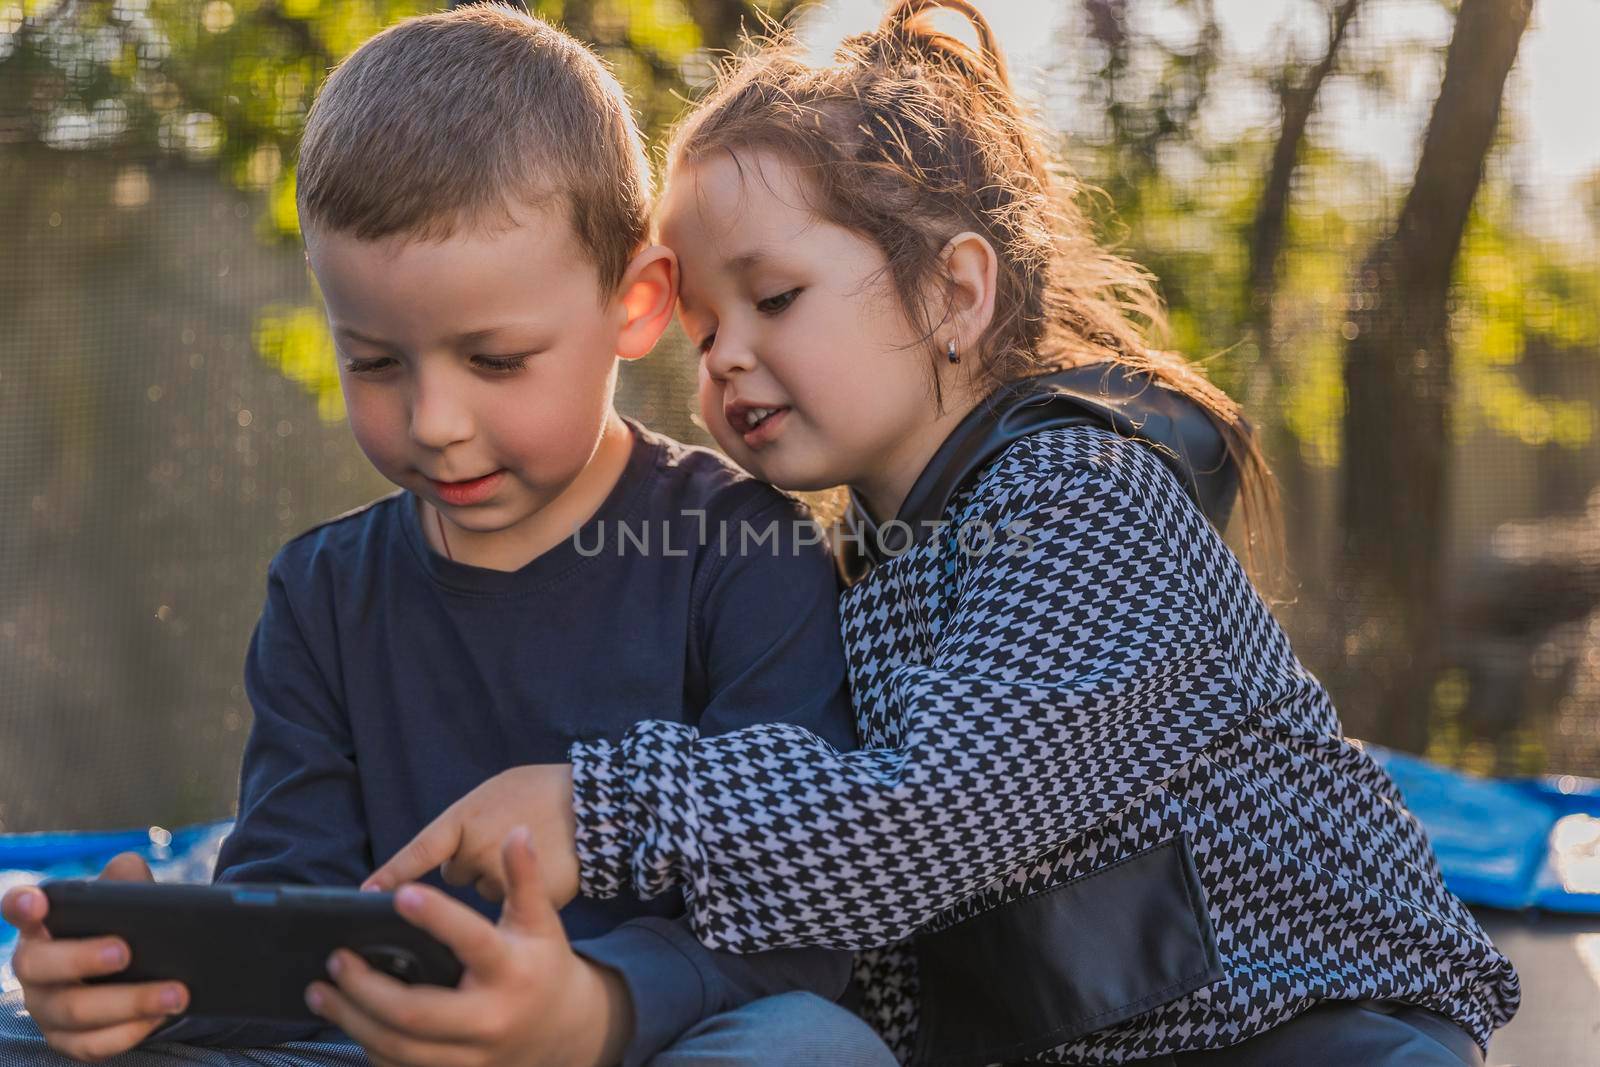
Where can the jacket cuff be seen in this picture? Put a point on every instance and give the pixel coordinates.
(606, 813)
(636, 813)
(668, 991)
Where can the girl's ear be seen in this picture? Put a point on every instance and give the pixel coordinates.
(649, 291)
(971, 268)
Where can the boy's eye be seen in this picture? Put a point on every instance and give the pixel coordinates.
(706, 342)
(367, 366)
(501, 364)
(774, 304)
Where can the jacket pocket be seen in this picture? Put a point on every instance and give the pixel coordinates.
(1078, 957)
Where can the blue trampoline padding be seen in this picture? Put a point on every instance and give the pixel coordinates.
(1497, 840)
(78, 848)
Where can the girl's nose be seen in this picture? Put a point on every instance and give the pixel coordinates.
(726, 356)
(440, 415)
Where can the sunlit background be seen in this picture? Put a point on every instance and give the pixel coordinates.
(1424, 377)
(169, 411)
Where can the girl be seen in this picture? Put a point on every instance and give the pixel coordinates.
(1102, 814)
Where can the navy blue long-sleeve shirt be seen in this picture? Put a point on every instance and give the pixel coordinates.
(388, 681)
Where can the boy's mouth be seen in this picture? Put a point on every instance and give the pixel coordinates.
(469, 492)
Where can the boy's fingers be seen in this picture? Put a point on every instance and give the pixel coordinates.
(420, 1011)
(24, 907)
(527, 908)
(383, 1044)
(93, 1007)
(68, 960)
(91, 1045)
(436, 843)
(469, 935)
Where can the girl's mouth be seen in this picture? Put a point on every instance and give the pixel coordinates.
(758, 426)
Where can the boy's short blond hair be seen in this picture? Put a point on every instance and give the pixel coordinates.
(454, 120)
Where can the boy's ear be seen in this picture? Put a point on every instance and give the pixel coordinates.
(971, 270)
(649, 295)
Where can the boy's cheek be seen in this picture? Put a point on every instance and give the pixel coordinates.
(378, 432)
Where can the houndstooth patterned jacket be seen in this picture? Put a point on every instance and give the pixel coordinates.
(1101, 813)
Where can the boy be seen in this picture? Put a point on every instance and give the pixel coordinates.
(473, 194)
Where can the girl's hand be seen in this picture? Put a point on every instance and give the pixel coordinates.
(85, 1022)
(464, 842)
(526, 999)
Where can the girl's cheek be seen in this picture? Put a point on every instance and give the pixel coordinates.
(710, 397)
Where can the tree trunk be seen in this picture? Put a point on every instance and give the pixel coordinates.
(1398, 391)
(1267, 385)
(1296, 101)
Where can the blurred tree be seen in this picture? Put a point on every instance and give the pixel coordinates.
(228, 84)
(230, 81)
(1398, 386)
(1297, 92)
(109, 103)
(1143, 114)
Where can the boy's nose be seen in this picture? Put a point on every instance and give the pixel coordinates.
(439, 418)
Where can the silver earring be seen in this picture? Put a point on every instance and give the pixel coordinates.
(950, 352)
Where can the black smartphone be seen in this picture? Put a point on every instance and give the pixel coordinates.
(246, 951)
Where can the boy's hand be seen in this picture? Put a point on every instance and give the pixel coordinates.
(464, 841)
(85, 1022)
(526, 999)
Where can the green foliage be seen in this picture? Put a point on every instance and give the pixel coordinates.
(1514, 290)
(295, 341)
(227, 83)
(1511, 288)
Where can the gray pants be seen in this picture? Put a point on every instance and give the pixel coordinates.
(21, 1045)
(1362, 1033)
(792, 1030)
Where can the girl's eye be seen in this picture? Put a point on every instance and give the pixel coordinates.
(774, 304)
(706, 342)
(501, 364)
(367, 366)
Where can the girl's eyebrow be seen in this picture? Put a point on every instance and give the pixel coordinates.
(745, 260)
(738, 264)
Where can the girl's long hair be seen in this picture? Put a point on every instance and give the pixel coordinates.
(910, 137)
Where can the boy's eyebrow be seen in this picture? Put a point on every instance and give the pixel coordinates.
(357, 335)
(470, 337)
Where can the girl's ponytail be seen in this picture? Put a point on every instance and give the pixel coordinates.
(906, 27)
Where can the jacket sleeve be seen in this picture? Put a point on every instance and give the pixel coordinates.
(766, 627)
(300, 810)
(1076, 664)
